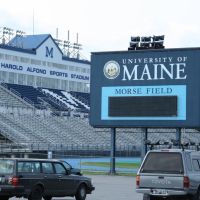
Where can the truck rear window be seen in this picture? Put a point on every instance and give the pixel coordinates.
(163, 162)
(6, 166)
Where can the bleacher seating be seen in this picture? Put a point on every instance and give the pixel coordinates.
(40, 131)
(26, 91)
(71, 102)
(43, 98)
(10, 99)
(84, 97)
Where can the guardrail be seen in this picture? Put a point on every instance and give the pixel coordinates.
(83, 150)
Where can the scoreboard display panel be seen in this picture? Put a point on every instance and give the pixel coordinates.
(151, 88)
(151, 106)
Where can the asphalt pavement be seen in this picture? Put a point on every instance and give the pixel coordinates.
(108, 187)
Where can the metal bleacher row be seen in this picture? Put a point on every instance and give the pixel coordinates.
(44, 118)
(41, 98)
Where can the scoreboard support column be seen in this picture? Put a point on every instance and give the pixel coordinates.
(146, 138)
(113, 151)
(144, 145)
(178, 136)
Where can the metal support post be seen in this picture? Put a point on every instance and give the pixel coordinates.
(178, 136)
(50, 156)
(113, 149)
(145, 139)
(144, 145)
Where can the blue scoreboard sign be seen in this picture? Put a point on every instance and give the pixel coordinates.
(151, 88)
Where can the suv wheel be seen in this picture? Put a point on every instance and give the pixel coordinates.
(36, 193)
(81, 193)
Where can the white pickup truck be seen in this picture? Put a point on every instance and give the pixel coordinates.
(169, 174)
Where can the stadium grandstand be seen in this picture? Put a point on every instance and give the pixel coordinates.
(45, 100)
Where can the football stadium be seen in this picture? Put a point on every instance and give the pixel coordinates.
(45, 102)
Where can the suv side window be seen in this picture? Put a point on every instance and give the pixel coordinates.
(47, 168)
(59, 168)
(188, 161)
(6, 166)
(28, 167)
(195, 163)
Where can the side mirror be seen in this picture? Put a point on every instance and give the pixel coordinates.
(68, 172)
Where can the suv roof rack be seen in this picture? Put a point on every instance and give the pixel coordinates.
(172, 143)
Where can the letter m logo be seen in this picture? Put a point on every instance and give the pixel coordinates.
(49, 52)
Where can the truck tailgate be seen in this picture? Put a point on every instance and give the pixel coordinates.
(161, 181)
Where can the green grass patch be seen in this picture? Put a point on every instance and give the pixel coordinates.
(106, 173)
(107, 164)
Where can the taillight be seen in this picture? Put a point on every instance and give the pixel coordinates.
(186, 182)
(14, 181)
(137, 180)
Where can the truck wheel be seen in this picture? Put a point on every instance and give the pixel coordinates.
(149, 197)
(146, 197)
(47, 198)
(81, 192)
(197, 195)
(36, 193)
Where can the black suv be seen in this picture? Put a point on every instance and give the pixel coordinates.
(40, 178)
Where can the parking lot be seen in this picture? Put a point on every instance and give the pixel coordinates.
(110, 188)
(114, 188)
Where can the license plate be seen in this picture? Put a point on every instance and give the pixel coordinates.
(160, 191)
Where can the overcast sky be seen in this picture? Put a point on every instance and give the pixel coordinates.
(106, 25)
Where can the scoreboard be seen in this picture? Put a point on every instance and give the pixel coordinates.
(150, 106)
(147, 88)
